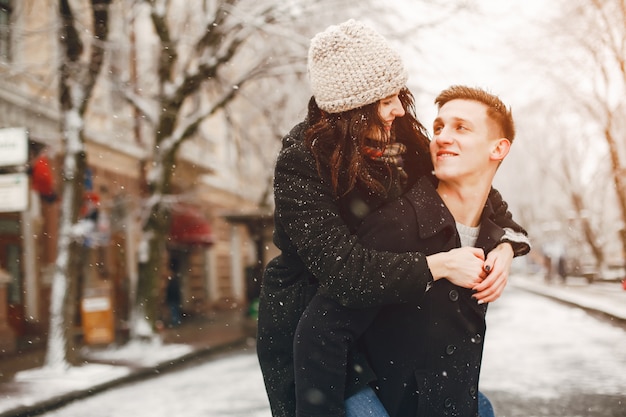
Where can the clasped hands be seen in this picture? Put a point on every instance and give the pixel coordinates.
(467, 267)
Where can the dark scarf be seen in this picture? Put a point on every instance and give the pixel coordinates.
(390, 154)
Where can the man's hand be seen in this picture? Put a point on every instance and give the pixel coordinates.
(497, 266)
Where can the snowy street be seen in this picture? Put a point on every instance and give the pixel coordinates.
(542, 358)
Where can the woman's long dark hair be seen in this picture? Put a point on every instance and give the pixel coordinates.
(337, 141)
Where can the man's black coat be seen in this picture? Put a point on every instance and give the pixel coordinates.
(427, 355)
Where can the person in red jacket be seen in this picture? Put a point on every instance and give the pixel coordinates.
(42, 177)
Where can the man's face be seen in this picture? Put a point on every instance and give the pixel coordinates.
(463, 139)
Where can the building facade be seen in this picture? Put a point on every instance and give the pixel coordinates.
(210, 253)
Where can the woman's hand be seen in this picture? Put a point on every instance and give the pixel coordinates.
(497, 266)
(461, 266)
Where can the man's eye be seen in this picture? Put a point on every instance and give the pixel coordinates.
(460, 127)
(437, 129)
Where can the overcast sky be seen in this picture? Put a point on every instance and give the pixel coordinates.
(489, 48)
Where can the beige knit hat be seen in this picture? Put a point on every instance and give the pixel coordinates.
(351, 65)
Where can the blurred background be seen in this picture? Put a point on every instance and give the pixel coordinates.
(138, 140)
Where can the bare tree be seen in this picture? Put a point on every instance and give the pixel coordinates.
(593, 43)
(573, 123)
(239, 61)
(213, 56)
(79, 66)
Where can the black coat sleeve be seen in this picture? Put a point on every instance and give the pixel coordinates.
(347, 272)
(515, 234)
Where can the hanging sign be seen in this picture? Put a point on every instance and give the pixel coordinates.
(13, 192)
(13, 146)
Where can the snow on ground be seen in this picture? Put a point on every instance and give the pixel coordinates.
(139, 353)
(36, 385)
(537, 347)
(40, 384)
(228, 386)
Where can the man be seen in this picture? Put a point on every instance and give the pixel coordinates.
(427, 357)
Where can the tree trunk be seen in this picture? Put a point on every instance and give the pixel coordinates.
(145, 313)
(76, 83)
(61, 349)
(620, 185)
(588, 231)
(150, 270)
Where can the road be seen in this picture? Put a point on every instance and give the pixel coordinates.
(542, 358)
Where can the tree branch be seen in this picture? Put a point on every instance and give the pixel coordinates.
(168, 55)
(100, 10)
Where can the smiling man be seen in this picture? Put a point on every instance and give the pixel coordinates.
(427, 357)
(473, 132)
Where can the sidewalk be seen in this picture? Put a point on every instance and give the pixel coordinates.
(27, 389)
(30, 391)
(603, 298)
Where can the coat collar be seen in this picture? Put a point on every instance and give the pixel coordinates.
(432, 220)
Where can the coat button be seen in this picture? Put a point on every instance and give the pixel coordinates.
(477, 339)
(450, 349)
(453, 295)
(472, 391)
(447, 403)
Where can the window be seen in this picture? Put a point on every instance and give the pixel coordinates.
(5, 30)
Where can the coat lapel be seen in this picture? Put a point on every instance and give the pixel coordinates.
(431, 219)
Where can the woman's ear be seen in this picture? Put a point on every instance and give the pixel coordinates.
(500, 149)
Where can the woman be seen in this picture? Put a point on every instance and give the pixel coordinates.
(327, 178)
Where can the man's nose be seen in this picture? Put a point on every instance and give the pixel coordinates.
(443, 136)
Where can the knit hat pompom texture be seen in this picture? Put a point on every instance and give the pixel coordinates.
(351, 65)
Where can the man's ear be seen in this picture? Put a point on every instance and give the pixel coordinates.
(500, 149)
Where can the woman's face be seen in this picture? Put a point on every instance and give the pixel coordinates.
(388, 109)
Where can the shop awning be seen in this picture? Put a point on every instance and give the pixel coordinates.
(188, 226)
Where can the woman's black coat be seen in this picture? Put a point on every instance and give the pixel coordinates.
(319, 252)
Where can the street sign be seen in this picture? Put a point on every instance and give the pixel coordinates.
(13, 192)
(97, 315)
(13, 146)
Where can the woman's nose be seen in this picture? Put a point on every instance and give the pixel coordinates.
(398, 109)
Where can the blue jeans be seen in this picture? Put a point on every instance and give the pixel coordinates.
(365, 403)
(485, 409)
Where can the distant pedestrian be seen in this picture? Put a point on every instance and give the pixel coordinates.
(173, 296)
(562, 269)
(547, 264)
